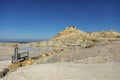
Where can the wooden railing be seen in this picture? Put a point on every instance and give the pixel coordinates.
(19, 57)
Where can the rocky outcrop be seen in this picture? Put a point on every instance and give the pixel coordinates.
(71, 32)
(109, 34)
(72, 37)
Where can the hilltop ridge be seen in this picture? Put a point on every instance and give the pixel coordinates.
(71, 36)
(73, 31)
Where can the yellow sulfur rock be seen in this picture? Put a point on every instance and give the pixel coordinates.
(48, 54)
(27, 62)
(14, 66)
(56, 51)
(42, 56)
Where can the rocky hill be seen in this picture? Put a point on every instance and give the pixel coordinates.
(74, 32)
(109, 34)
(71, 36)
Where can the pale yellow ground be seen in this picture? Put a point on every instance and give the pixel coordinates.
(99, 63)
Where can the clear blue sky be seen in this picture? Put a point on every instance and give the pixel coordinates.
(43, 19)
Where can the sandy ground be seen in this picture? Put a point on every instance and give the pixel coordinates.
(4, 64)
(67, 71)
(6, 51)
(99, 63)
(5, 55)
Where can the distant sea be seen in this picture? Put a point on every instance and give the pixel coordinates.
(21, 40)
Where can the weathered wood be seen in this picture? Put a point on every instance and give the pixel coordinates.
(18, 60)
(18, 57)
